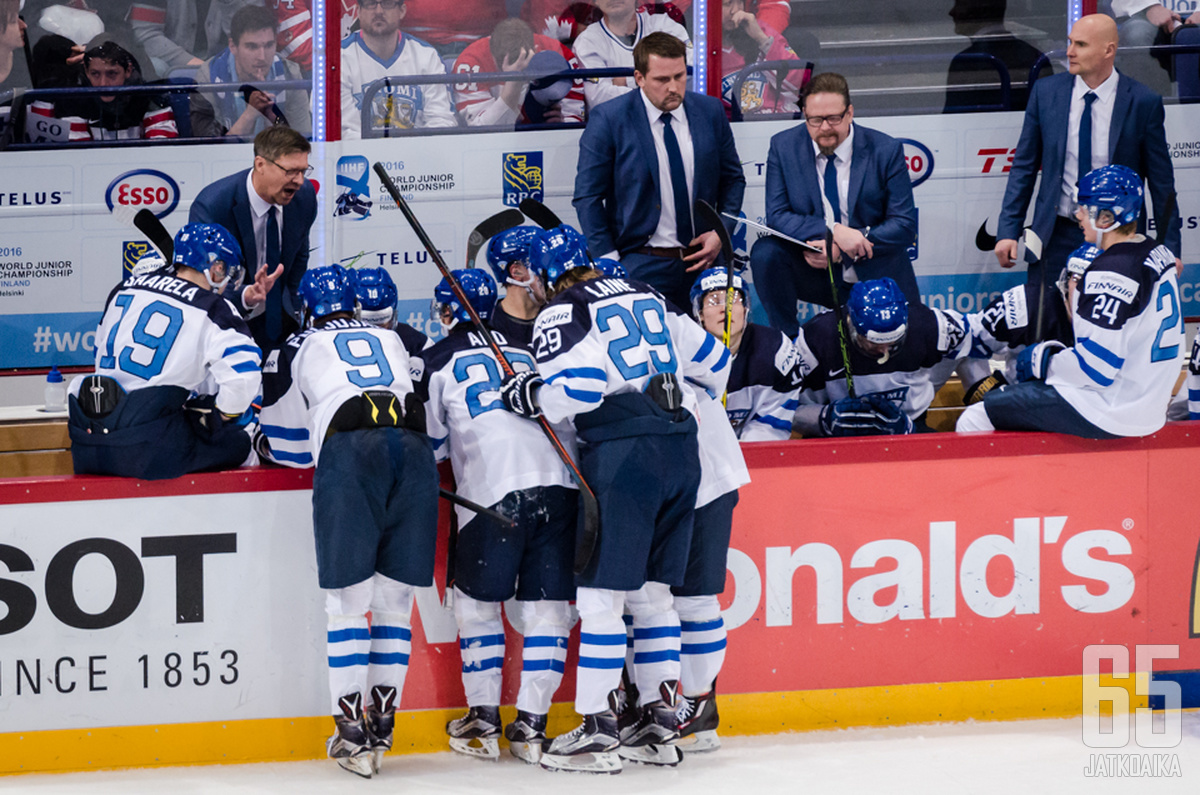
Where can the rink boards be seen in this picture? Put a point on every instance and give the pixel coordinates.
(870, 582)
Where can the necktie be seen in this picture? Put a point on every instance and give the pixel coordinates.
(274, 317)
(831, 187)
(683, 203)
(1085, 135)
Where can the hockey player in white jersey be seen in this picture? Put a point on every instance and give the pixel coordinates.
(1117, 377)
(764, 379)
(377, 50)
(613, 357)
(899, 354)
(338, 396)
(504, 462)
(524, 294)
(609, 43)
(176, 369)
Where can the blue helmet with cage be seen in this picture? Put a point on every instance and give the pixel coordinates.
(557, 251)
(509, 247)
(480, 288)
(878, 313)
(1117, 189)
(715, 279)
(376, 293)
(327, 290)
(1077, 263)
(610, 268)
(212, 250)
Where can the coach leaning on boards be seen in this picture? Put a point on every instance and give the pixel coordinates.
(627, 195)
(270, 209)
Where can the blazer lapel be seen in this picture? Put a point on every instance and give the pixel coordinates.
(245, 223)
(859, 157)
(641, 124)
(1060, 119)
(702, 148)
(1120, 110)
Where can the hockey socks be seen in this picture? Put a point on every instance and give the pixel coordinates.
(702, 643)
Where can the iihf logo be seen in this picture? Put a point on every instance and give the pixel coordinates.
(354, 188)
(522, 174)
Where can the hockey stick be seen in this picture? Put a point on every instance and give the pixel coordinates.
(837, 304)
(490, 227)
(591, 509)
(450, 496)
(148, 224)
(707, 215)
(539, 213)
(772, 232)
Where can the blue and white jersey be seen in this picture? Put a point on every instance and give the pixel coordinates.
(936, 340)
(401, 106)
(416, 344)
(608, 336)
(493, 451)
(307, 380)
(764, 385)
(159, 330)
(1009, 323)
(722, 465)
(1192, 385)
(1129, 340)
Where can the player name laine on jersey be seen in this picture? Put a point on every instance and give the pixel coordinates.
(640, 336)
(493, 452)
(935, 341)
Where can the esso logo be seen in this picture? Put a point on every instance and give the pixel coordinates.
(144, 188)
(919, 160)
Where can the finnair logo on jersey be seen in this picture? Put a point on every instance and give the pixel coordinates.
(559, 316)
(1119, 287)
(523, 177)
(1016, 311)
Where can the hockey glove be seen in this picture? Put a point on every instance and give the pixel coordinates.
(890, 418)
(519, 393)
(849, 416)
(977, 390)
(1033, 363)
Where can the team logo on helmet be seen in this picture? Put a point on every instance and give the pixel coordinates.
(714, 279)
(878, 312)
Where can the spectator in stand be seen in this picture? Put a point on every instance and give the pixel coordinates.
(982, 21)
(14, 72)
(560, 19)
(774, 14)
(109, 117)
(450, 27)
(609, 43)
(379, 49)
(180, 33)
(249, 58)
(1144, 23)
(745, 39)
(294, 40)
(511, 48)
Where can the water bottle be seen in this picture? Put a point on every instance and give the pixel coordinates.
(56, 391)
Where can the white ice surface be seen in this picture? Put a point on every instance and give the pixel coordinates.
(1009, 758)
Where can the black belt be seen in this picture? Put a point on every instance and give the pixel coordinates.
(674, 252)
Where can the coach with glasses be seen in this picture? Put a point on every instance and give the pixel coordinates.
(270, 209)
(862, 174)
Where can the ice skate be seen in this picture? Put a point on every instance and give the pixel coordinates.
(527, 736)
(650, 738)
(381, 721)
(350, 745)
(477, 733)
(698, 721)
(590, 748)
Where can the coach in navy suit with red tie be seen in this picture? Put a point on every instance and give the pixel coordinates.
(270, 209)
(644, 159)
(1113, 119)
(862, 174)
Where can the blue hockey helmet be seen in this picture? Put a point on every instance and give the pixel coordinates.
(480, 288)
(1077, 264)
(1117, 189)
(212, 250)
(610, 268)
(327, 290)
(376, 293)
(557, 251)
(878, 315)
(714, 279)
(510, 247)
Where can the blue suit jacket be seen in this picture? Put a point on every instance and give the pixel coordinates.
(227, 203)
(616, 184)
(1136, 138)
(880, 197)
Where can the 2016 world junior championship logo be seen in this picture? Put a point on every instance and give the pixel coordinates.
(522, 175)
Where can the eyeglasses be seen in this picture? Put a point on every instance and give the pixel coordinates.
(816, 122)
(292, 173)
(718, 298)
(388, 4)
